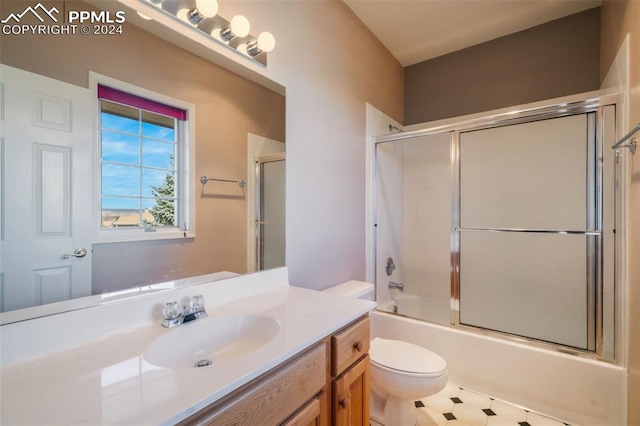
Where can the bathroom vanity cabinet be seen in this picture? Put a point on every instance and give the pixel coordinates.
(350, 374)
(326, 384)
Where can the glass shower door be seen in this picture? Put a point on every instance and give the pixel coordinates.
(529, 231)
(413, 226)
(270, 211)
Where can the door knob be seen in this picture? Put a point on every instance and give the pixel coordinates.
(80, 252)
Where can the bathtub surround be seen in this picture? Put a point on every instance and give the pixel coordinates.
(577, 390)
(524, 375)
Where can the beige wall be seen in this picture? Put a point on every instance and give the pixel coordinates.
(331, 65)
(227, 108)
(620, 17)
(550, 60)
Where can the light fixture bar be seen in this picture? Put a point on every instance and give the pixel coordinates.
(233, 34)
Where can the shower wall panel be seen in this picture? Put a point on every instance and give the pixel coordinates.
(427, 217)
(389, 221)
(413, 223)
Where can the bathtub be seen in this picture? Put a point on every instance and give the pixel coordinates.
(424, 308)
(578, 390)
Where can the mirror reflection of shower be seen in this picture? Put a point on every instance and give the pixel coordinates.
(265, 202)
(270, 211)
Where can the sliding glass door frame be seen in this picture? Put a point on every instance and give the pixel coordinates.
(602, 344)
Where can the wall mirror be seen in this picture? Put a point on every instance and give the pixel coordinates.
(52, 158)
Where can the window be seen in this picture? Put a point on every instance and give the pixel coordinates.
(142, 161)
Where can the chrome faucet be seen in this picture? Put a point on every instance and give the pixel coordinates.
(399, 286)
(173, 316)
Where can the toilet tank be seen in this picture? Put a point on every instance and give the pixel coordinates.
(356, 289)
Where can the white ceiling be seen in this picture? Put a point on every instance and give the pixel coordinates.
(417, 30)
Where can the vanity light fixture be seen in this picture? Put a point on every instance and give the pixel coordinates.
(239, 27)
(265, 43)
(233, 34)
(204, 9)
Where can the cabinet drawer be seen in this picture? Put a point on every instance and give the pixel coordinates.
(349, 345)
(308, 416)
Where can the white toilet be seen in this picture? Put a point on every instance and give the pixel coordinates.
(401, 372)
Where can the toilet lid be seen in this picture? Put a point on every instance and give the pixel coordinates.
(406, 357)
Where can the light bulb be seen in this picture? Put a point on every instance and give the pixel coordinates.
(266, 42)
(240, 26)
(208, 8)
(204, 9)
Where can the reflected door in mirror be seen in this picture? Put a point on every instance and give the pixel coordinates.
(48, 182)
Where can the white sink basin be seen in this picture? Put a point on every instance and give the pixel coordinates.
(213, 339)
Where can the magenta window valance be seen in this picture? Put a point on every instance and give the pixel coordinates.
(115, 95)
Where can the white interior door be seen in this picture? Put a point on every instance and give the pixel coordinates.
(47, 184)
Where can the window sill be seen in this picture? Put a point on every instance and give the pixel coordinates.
(120, 236)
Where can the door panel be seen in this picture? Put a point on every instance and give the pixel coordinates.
(351, 396)
(532, 285)
(529, 238)
(53, 285)
(531, 175)
(48, 178)
(51, 181)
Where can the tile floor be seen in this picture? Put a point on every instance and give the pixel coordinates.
(455, 406)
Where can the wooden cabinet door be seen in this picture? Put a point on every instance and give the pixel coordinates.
(351, 396)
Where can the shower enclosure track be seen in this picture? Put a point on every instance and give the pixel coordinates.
(533, 231)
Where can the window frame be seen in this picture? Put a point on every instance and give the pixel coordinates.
(185, 164)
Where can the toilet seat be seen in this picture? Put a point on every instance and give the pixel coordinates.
(405, 358)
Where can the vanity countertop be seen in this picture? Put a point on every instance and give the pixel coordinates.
(108, 381)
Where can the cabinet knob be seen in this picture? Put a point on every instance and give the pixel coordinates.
(358, 346)
(343, 403)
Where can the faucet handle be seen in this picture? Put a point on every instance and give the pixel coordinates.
(171, 310)
(197, 303)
